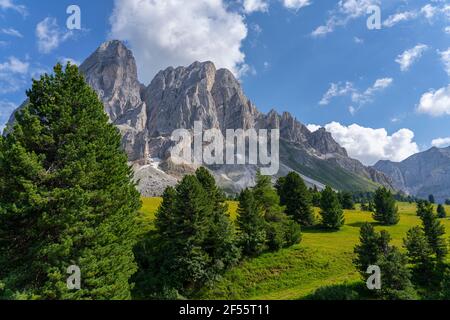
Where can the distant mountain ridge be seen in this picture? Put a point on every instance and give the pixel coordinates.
(177, 97)
(421, 174)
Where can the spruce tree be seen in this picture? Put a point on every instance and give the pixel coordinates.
(251, 225)
(372, 245)
(431, 199)
(386, 210)
(221, 240)
(281, 230)
(444, 293)
(420, 255)
(395, 276)
(296, 197)
(331, 210)
(434, 230)
(442, 214)
(66, 196)
(346, 200)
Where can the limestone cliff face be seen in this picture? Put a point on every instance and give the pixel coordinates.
(177, 97)
(422, 174)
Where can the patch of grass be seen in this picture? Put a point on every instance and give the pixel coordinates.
(323, 259)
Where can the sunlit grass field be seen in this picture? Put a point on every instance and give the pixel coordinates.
(321, 259)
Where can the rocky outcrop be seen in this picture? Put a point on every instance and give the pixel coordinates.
(422, 174)
(177, 97)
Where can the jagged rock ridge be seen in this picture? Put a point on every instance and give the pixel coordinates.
(422, 174)
(177, 97)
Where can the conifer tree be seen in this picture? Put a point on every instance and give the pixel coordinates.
(386, 210)
(221, 240)
(66, 196)
(331, 210)
(372, 245)
(281, 230)
(296, 197)
(395, 276)
(431, 199)
(444, 293)
(346, 200)
(420, 255)
(442, 214)
(434, 230)
(251, 224)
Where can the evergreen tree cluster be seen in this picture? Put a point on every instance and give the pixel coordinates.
(386, 210)
(194, 240)
(422, 269)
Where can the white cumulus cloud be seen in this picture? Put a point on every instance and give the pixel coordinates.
(407, 58)
(255, 6)
(435, 103)
(441, 142)
(370, 145)
(178, 32)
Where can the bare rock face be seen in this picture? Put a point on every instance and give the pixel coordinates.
(111, 71)
(421, 174)
(177, 97)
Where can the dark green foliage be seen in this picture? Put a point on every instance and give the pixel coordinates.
(431, 199)
(371, 206)
(220, 243)
(66, 196)
(374, 249)
(296, 197)
(281, 230)
(315, 197)
(346, 200)
(330, 210)
(395, 276)
(434, 229)
(447, 202)
(442, 214)
(444, 293)
(420, 255)
(372, 245)
(195, 247)
(364, 206)
(250, 224)
(386, 210)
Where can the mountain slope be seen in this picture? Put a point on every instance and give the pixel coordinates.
(177, 97)
(422, 174)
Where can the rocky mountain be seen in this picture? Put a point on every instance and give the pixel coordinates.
(177, 97)
(422, 174)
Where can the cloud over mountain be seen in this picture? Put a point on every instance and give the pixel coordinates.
(187, 31)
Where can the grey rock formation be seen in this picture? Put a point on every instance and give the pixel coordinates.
(177, 97)
(422, 174)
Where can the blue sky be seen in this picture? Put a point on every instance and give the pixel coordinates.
(382, 93)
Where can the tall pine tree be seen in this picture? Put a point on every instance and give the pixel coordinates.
(66, 196)
(296, 197)
(251, 224)
(386, 210)
(331, 210)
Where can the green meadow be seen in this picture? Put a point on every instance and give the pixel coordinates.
(322, 258)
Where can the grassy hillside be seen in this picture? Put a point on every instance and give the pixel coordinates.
(323, 258)
(323, 171)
